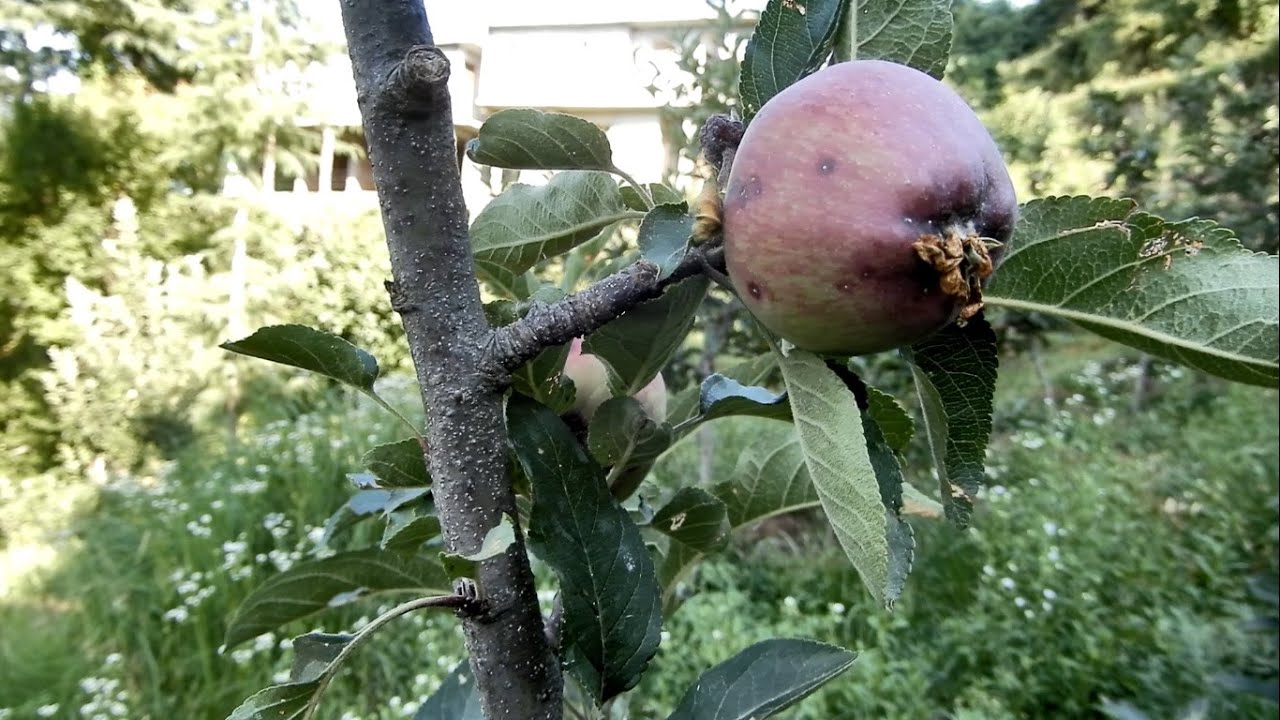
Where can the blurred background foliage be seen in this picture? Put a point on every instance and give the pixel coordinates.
(153, 479)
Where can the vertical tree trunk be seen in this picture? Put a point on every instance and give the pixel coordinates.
(401, 81)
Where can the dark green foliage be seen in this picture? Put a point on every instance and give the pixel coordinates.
(1163, 101)
(1140, 525)
(64, 162)
(612, 602)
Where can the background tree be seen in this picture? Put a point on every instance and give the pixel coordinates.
(171, 96)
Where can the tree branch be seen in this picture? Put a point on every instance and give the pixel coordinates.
(401, 82)
(587, 311)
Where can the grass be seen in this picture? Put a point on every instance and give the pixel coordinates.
(1158, 514)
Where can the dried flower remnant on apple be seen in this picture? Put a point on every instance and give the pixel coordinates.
(865, 209)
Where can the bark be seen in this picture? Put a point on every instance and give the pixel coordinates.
(462, 364)
(401, 81)
(586, 311)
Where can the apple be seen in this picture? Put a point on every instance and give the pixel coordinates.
(591, 383)
(865, 207)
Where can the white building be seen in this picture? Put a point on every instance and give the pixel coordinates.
(609, 61)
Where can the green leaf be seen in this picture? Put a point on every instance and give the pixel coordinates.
(770, 479)
(310, 587)
(955, 376)
(622, 433)
(526, 224)
(637, 345)
(495, 542)
(383, 502)
(888, 470)
(918, 504)
(827, 422)
(541, 379)
(1183, 291)
(314, 656)
(525, 139)
(664, 235)
(310, 349)
(898, 535)
(314, 652)
(401, 464)
(695, 518)
(409, 533)
(890, 417)
(908, 32)
(723, 396)
(791, 40)
(755, 371)
(612, 614)
(662, 195)
(278, 702)
(763, 679)
(455, 699)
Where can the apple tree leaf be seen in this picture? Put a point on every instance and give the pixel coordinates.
(664, 235)
(637, 345)
(792, 39)
(455, 699)
(662, 195)
(916, 33)
(770, 479)
(378, 501)
(695, 518)
(888, 471)
(527, 139)
(612, 609)
(314, 653)
(310, 349)
(401, 464)
(828, 424)
(312, 586)
(898, 534)
(278, 702)
(955, 377)
(762, 680)
(723, 396)
(622, 433)
(495, 542)
(408, 533)
(891, 418)
(917, 504)
(527, 224)
(1183, 291)
(542, 379)
(752, 372)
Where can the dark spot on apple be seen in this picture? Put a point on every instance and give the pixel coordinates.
(756, 290)
(826, 166)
